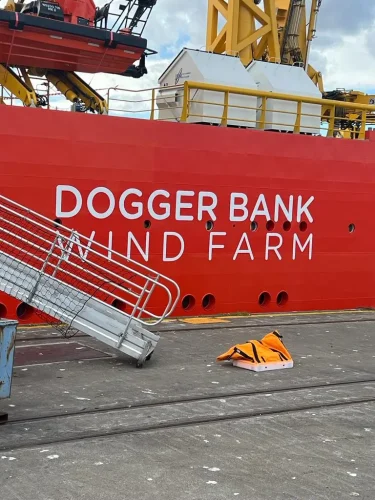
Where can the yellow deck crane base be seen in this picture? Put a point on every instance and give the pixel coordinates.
(16, 86)
(69, 84)
(77, 90)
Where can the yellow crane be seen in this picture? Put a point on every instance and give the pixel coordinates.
(276, 33)
(248, 31)
(295, 38)
(69, 84)
(280, 32)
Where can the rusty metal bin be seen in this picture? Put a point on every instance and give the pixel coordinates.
(8, 330)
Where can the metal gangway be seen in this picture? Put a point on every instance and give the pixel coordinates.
(80, 284)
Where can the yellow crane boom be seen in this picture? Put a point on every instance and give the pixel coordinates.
(16, 86)
(68, 83)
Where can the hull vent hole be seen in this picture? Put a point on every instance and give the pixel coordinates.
(208, 301)
(282, 298)
(3, 311)
(264, 299)
(24, 311)
(119, 304)
(188, 302)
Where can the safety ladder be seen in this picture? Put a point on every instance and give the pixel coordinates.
(82, 284)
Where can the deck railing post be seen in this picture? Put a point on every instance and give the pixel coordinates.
(109, 90)
(331, 121)
(262, 122)
(362, 133)
(185, 103)
(297, 125)
(224, 118)
(152, 116)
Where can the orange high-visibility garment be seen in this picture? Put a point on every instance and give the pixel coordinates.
(268, 350)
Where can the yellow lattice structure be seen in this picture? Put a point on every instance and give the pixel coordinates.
(248, 31)
(276, 33)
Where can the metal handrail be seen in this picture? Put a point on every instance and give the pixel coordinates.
(54, 249)
(275, 95)
(153, 98)
(327, 104)
(364, 114)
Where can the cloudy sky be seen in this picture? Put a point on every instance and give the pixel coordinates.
(344, 49)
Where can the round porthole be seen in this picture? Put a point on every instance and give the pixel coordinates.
(188, 302)
(24, 311)
(3, 311)
(58, 222)
(282, 298)
(264, 299)
(119, 304)
(208, 301)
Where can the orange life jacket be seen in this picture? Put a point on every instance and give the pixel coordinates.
(270, 349)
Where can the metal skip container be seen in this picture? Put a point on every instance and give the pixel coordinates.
(8, 330)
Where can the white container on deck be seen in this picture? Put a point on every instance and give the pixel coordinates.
(281, 115)
(206, 67)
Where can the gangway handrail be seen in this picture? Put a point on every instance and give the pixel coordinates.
(149, 313)
(67, 239)
(84, 250)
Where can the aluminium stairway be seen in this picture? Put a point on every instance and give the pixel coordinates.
(80, 283)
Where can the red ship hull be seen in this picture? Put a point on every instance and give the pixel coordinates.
(181, 197)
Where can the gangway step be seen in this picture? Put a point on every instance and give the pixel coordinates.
(84, 313)
(67, 277)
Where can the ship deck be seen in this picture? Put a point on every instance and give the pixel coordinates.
(84, 423)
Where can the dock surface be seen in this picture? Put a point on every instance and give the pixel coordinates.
(84, 423)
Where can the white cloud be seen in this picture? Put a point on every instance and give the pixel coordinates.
(348, 63)
(343, 49)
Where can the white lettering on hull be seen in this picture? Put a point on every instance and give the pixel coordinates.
(247, 250)
(308, 242)
(274, 247)
(143, 248)
(186, 206)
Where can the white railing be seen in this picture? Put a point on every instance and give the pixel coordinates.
(53, 250)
